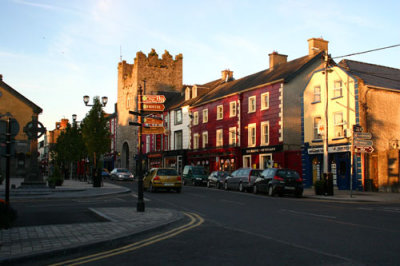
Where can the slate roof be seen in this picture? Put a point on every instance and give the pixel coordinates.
(36, 109)
(373, 75)
(201, 90)
(284, 72)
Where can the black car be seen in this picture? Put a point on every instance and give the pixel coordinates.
(217, 179)
(279, 181)
(242, 179)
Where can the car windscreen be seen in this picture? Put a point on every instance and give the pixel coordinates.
(288, 174)
(256, 172)
(222, 174)
(122, 170)
(167, 172)
(198, 171)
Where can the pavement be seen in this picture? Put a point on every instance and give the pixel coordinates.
(21, 244)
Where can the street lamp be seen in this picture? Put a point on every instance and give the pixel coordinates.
(74, 116)
(104, 101)
(86, 99)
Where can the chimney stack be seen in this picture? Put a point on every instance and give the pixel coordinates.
(317, 45)
(276, 59)
(1, 77)
(226, 75)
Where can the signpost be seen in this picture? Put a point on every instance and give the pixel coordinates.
(153, 99)
(363, 149)
(153, 130)
(153, 107)
(153, 121)
(146, 103)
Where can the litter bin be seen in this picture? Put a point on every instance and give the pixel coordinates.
(328, 177)
(97, 178)
(368, 185)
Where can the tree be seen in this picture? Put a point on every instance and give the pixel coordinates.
(69, 147)
(95, 133)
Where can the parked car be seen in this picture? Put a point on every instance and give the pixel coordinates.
(217, 179)
(279, 181)
(166, 178)
(242, 179)
(121, 174)
(195, 175)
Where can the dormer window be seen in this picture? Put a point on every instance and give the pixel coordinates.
(194, 92)
(187, 94)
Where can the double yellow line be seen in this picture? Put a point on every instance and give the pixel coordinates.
(195, 220)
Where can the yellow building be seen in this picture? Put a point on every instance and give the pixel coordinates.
(336, 95)
(21, 109)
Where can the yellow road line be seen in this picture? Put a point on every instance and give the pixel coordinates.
(195, 220)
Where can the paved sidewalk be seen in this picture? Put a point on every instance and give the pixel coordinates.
(356, 196)
(23, 243)
(69, 189)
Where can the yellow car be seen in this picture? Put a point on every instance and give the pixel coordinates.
(166, 178)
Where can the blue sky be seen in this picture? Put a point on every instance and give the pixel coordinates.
(54, 52)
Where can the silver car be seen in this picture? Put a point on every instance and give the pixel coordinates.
(121, 174)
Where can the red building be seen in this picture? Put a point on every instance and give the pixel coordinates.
(254, 121)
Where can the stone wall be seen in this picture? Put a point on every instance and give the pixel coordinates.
(160, 74)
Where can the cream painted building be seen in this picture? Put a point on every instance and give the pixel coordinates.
(337, 94)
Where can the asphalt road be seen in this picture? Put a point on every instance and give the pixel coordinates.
(243, 228)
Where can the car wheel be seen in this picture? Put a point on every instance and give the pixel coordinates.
(299, 194)
(270, 191)
(194, 182)
(208, 183)
(241, 187)
(218, 185)
(178, 190)
(226, 185)
(255, 191)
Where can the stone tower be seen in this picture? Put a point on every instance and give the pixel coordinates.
(163, 74)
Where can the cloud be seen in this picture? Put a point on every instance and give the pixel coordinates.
(35, 4)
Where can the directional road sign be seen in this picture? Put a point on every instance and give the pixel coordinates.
(153, 99)
(363, 135)
(153, 130)
(153, 121)
(363, 142)
(153, 107)
(363, 149)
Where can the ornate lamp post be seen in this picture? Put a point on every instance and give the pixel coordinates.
(104, 101)
(86, 99)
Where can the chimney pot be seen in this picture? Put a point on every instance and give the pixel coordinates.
(226, 75)
(276, 59)
(1, 77)
(317, 45)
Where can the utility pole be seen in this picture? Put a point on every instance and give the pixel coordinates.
(328, 178)
(326, 139)
(140, 203)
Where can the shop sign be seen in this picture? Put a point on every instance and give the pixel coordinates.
(333, 149)
(263, 149)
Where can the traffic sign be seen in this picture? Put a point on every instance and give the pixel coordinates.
(363, 149)
(153, 98)
(357, 128)
(153, 121)
(362, 135)
(362, 142)
(153, 107)
(153, 130)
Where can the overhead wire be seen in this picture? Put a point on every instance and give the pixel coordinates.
(373, 50)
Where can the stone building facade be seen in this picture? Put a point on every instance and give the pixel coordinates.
(21, 109)
(153, 74)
